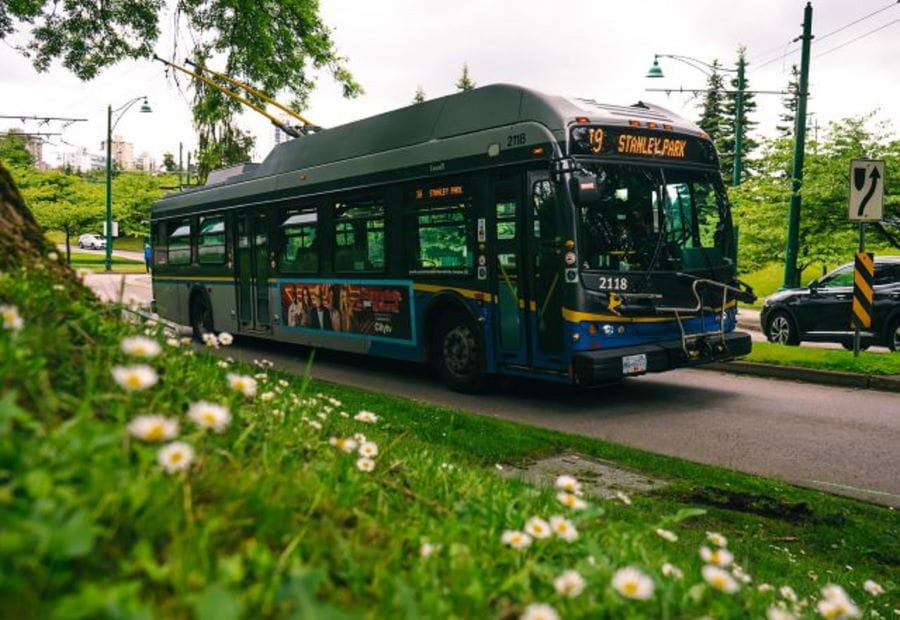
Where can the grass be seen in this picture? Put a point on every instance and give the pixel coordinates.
(273, 521)
(826, 359)
(129, 244)
(97, 262)
(769, 279)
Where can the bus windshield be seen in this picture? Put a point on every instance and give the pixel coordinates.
(654, 219)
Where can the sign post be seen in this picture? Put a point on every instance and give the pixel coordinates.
(866, 205)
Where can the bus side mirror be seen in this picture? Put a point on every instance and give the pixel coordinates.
(585, 188)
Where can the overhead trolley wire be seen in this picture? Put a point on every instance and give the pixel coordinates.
(855, 39)
(821, 38)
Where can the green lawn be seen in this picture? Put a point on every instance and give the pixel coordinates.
(769, 279)
(130, 244)
(271, 520)
(827, 359)
(97, 262)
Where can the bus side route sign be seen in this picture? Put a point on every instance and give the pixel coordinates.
(863, 277)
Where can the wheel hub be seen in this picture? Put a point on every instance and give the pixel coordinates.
(459, 347)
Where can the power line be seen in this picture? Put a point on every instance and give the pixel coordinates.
(837, 30)
(853, 23)
(862, 36)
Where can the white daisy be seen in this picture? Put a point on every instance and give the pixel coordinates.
(267, 396)
(315, 424)
(344, 414)
(570, 500)
(539, 611)
(360, 438)
(672, 571)
(569, 584)
(173, 342)
(139, 346)
(873, 588)
(11, 319)
(569, 484)
(717, 539)
(210, 340)
(788, 594)
(243, 384)
(537, 528)
(666, 534)
(222, 364)
(838, 604)
(175, 456)
(225, 339)
(719, 557)
(633, 583)
(720, 579)
(135, 377)
(515, 539)
(765, 587)
(209, 415)
(623, 498)
(347, 444)
(366, 416)
(563, 528)
(153, 428)
(365, 464)
(368, 449)
(777, 613)
(428, 549)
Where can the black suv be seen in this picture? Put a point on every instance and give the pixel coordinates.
(821, 311)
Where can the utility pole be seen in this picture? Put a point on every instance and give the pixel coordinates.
(738, 123)
(180, 169)
(791, 277)
(189, 169)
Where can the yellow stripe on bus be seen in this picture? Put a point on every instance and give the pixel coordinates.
(465, 292)
(195, 279)
(576, 316)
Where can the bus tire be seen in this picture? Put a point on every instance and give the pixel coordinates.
(201, 316)
(458, 355)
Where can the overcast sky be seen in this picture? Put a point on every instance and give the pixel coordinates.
(596, 49)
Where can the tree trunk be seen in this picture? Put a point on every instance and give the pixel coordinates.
(22, 240)
(68, 245)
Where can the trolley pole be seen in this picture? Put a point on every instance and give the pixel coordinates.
(791, 277)
(738, 124)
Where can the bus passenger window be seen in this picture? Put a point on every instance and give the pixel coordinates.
(299, 250)
(158, 243)
(359, 236)
(442, 237)
(544, 211)
(178, 242)
(211, 241)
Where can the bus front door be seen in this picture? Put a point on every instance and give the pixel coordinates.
(511, 313)
(252, 267)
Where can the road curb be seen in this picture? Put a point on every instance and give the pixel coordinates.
(808, 375)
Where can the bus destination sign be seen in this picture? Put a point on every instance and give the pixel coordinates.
(627, 142)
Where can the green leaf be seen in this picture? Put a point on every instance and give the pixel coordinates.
(217, 603)
(74, 538)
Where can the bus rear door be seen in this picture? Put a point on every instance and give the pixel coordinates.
(510, 279)
(252, 271)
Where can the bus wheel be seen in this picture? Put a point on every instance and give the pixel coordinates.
(201, 317)
(457, 354)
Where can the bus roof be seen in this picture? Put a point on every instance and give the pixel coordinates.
(493, 106)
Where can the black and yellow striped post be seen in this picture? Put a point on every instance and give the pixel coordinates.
(863, 278)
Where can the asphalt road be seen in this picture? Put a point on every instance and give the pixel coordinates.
(845, 441)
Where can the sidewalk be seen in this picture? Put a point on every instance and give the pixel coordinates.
(109, 287)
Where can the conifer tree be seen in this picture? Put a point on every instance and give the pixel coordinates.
(787, 117)
(725, 142)
(465, 83)
(712, 109)
(420, 95)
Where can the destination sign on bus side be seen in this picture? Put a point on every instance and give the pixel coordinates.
(627, 142)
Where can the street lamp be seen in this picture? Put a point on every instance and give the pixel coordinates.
(110, 125)
(655, 71)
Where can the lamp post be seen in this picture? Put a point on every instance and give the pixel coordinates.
(655, 71)
(110, 125)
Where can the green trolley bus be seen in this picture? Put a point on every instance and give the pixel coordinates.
(500, 231)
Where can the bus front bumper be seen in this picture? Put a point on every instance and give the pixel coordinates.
(593, 367)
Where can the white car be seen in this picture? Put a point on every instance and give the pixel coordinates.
(91, 242)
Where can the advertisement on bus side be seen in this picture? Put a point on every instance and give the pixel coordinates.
(377, 310)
